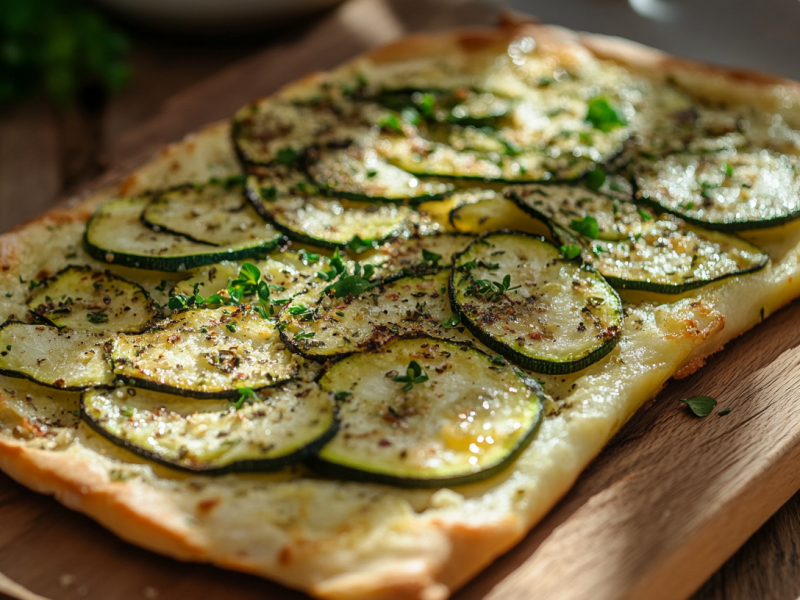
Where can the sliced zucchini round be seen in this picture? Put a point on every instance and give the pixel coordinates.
(550, 138)
(409, 306)
(286, 273)
(278, 130)
(272, 429)
(725, 191)
(115, 234)
(492, 215)
(361, 174)
(568, 206)
(307, 217)
(84, 299)
(422, 254)
(633, 249)
(672, 257)
(204, 354)
(459, 417)
(517, 295)
(213, 213)
(58, 358)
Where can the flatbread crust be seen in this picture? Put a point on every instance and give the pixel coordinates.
(346, 540)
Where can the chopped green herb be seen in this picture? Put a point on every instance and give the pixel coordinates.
(724, 411)
(269, 193)
(414, 374)
(570, 251)
(430, 257)
(587, 226)
(358, 245)
(491, 290)
(596, 178)
(305, 335)
(97, 317)
(390, 121)
(350, 285)
(451, 321)
(339, 313)
(728, 167)
(231, 327)
(601, 115)
(342, 395)
(244, 394)
(287, 156)
(701, 406)
(645, 215)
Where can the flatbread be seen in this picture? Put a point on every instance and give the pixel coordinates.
(348, 540)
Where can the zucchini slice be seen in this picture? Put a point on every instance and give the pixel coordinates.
(465, 416)
(517, 295)
(204, 354)
(115, 234)
(564, 205)
(58, 358)
(422, 254)
(491, 215)
(631, 248)
(306, 216)
(673, 257)
(273, 428)
(278, 130)
(409, 306)
(212, 213)
(361, 174)
(286, 272)
(727, 191)
(535, 140)
(84, 299)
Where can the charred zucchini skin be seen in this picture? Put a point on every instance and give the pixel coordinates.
(620, 283)
(668, 289)
(526, 362)
(725, 226)
(243, 466)
(344, 472)
(176, 264)
(172, 264)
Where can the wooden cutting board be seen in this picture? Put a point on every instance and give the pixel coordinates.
(664, 505)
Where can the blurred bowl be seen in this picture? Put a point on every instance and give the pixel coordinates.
(215, 16)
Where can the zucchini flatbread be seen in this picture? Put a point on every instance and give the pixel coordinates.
(361, 338)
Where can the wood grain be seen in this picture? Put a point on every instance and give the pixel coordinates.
(667, 502)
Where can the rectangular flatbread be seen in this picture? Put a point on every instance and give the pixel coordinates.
(710, 151)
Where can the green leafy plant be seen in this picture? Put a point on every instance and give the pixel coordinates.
(60, 47)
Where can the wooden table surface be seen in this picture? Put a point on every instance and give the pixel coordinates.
(171, 77)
